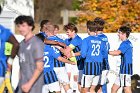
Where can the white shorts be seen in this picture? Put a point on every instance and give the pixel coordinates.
(103, 78)
(62, 75)
(51, 87)
(80, 76)
(89, 80)
(123, 80)
(72, 69)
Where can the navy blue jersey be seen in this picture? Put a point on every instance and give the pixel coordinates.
(126, 49)
(57, 63)
(49, 56)
(93, 49)
(44, 34)
(4, 37)
(76, 43)
(107, 45)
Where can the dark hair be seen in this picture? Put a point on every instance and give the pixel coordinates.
(0, 9)
(27, 19)
(43, 22)
(125, 29)
(100, 23)
(89, 23)
(56, 26)
(92, 26)
(71, 27)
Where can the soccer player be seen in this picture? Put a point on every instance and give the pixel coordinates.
(51, 80)
(7, 53)
(126, 51)
(93, 49)
(43, 25)
(30, 56)
(74, 45)
(99, 33)
(59, 67)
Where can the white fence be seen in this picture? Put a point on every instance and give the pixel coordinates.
(113, 61)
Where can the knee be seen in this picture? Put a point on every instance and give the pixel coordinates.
(127, 89)
(114, 89)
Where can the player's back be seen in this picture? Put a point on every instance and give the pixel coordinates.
(48, 58)
(57, 63)
(92, 49)
(105, 39)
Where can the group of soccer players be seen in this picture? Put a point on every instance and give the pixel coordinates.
(47, 62)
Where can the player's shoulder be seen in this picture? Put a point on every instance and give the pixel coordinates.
(59, 39)
(4, 29)
(37, 41)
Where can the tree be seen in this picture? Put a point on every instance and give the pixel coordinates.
(114, 12)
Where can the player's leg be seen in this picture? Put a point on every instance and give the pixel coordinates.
(54, 87)
(86, 83)
(116, 85)
(68, 69)
(95, 81)
(45, 89)
(114, 88)
(79, 79)
(63, 78)
(103, 81)
(75, 78)
(127, 83)
(127, 89)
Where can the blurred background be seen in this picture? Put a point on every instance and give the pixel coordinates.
(60, 12)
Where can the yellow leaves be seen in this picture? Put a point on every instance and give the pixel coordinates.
(113, 12)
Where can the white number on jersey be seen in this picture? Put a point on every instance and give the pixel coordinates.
(55, 49)
(46, 59)
(96, 50)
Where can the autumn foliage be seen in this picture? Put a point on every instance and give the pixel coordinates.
(114, 12)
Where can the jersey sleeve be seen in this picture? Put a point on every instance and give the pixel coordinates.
(123, 47)
(38, 51)
(84, 48)
(74, 43)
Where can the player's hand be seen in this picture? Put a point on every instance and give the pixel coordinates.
(69, 55)
(7, 75)
(26, 87)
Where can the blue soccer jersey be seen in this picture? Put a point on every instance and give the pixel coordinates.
(44, 34)
(57, 63)
(4, 37)
(105, 61)
(76, 43)
(126, 49)
(93, 49)
(49, 56)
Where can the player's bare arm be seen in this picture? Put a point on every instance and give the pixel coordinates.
(115, 52)
(15, 48)
(51, 42)
(65, 60)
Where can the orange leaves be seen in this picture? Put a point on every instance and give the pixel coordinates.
(114, 12)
